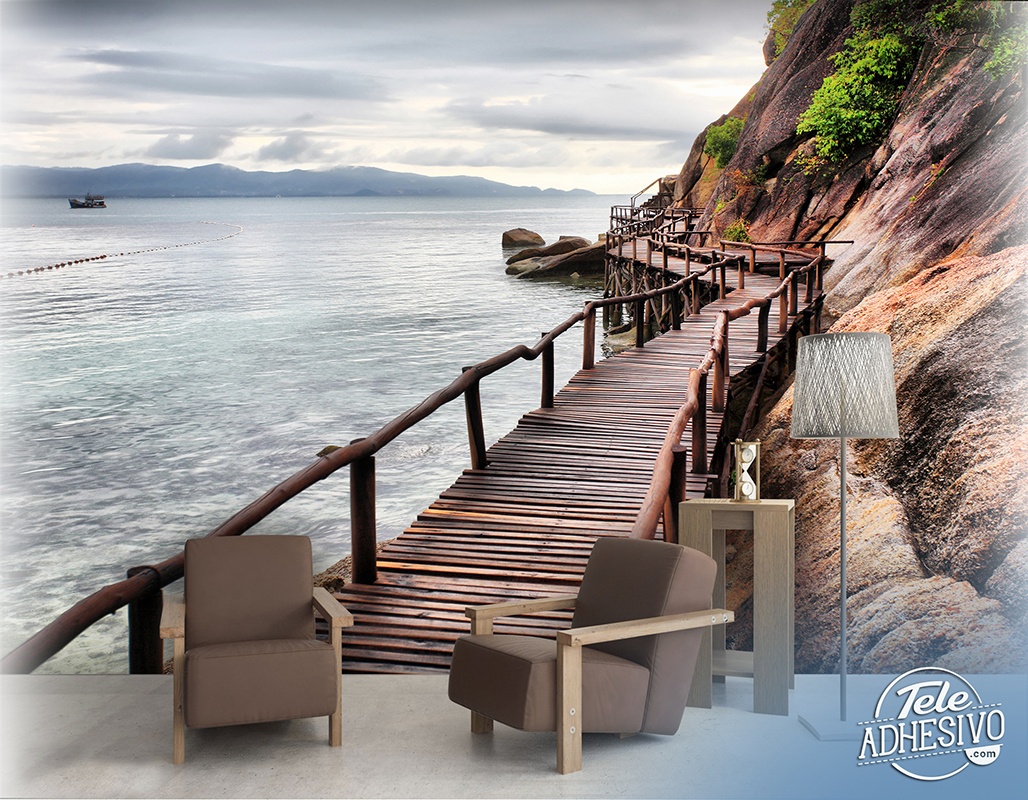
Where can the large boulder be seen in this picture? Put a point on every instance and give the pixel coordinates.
(563, 245)
(584, 261)
(522, 237)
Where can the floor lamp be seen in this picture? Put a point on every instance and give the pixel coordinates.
(844, 388)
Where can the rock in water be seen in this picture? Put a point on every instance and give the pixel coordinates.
(564, 245)
(522, 237)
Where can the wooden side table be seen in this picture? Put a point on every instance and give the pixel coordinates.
(702, 525)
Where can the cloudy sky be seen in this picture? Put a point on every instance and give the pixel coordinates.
(585, 94)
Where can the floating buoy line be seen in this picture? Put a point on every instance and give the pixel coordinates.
(70, 263)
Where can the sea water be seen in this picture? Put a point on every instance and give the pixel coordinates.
(147, 396)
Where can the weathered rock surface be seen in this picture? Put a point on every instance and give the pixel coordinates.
(521, 237)
(563, 245)
(583, 260)
(938, 519)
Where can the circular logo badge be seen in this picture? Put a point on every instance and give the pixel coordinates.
(930, 724)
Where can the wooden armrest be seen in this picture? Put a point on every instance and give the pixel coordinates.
(513, 608)
(331, 609)
(173, 617)
(594, 634)
(482, 616)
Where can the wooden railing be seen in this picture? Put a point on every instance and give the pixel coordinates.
(141, 590)
(667, 487)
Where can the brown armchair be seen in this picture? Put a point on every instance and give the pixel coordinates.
(244, 644)
(625, 666)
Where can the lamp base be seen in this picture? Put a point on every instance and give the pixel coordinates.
(831, 730)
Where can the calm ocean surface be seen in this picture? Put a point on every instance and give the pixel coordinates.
(147, 397)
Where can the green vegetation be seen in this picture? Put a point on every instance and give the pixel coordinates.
(722, 141)
(737, 232)
(856, 104)
(1003, 27)
(782, 18)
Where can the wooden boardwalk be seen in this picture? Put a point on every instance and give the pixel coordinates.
(524, 525)
(523, 521)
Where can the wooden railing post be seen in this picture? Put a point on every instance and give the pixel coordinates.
(811, 277)
(677, 490)
(640, 327)
(546, 398)
(742, 274)
(363, 526)
(762, 321)
(721, 373)
(146, 650)
(676, 310)
(476, 429)
(794, 294)
(589, 337)
(721, 279)
(695, 296)
(753, 258)
(699, 429)
(783, 301)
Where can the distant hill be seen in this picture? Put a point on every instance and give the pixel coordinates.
(218, 180)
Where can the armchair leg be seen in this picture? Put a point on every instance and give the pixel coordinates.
(480, 723)
(569, 706)
(335, 720)
(178, 714)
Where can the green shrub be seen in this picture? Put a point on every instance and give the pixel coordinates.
(737, 232)
(856, 104)
(1004, 25)
(782, 19)
(722, 141)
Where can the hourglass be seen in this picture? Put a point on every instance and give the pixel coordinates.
(747, 471)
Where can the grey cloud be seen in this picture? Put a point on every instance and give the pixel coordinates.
(195, 75)
(494, 154)
(554, 120)
(201, 145)
(293, 147)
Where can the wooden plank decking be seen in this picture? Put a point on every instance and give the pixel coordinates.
(524, 525)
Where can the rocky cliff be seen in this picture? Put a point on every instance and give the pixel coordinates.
(936, 211)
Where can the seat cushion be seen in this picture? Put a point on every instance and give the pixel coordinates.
(513, 679)
(262, 681)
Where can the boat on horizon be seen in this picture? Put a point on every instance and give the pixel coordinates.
(91, 201)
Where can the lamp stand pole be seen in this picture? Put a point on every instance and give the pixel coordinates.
(829, 730)
(842, 577)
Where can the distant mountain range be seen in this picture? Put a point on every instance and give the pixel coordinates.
(218, 180)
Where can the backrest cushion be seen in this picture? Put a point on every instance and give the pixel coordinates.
(637, 578)
(246, 588)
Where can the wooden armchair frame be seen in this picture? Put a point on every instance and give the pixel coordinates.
(173, 626)
(569, 658)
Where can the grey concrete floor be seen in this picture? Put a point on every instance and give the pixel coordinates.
(110, 736)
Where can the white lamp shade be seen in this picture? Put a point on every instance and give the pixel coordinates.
(845, 387)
